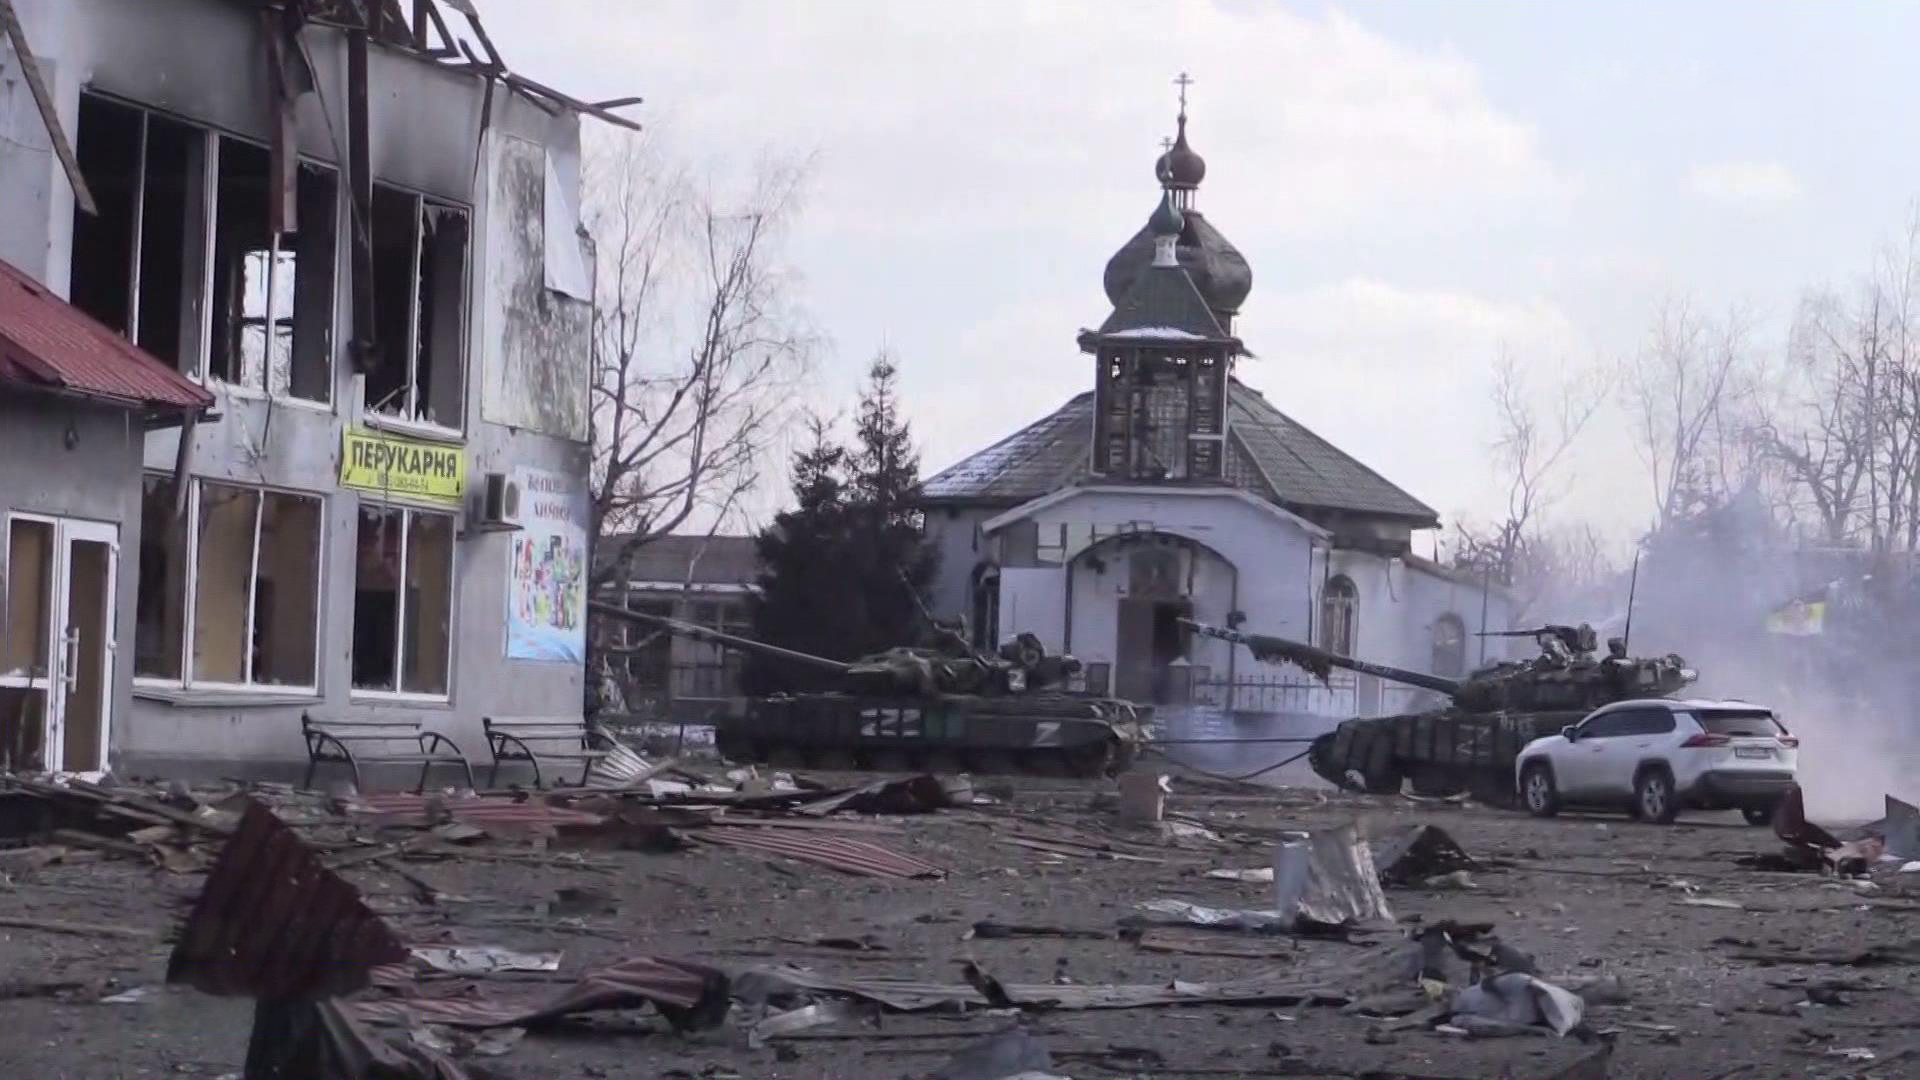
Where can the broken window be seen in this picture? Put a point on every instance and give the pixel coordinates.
(159, 617)
(650, 665)
(1339, 610)
(272, 292)
(138, 265)
(133, 262)
(403, 601)
(28, 592)
(420, 283)
(254, 580)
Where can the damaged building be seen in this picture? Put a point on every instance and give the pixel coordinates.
(341, 245)
(1174, 490)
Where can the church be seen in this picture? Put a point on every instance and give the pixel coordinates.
(1173, 490)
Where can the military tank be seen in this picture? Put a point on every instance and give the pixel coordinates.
(1471, 743)
(946, 707)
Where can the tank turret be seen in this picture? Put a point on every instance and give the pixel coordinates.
(1470, 744)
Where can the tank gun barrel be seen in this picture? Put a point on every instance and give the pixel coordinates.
(1319, 661)
(716, 637)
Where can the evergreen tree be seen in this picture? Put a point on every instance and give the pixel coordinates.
(840, 572)
(797, 606)
(885, 477)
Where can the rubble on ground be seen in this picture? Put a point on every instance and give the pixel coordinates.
(968, 928)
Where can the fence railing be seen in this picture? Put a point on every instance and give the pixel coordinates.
(1343, 695)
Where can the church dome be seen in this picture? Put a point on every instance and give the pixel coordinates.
(1180, 168)
(1218, 269)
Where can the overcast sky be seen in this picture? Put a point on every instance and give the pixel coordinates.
(1413, 183)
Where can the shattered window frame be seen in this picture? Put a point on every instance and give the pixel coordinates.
(267, 378)
(193, 323)
(409, 412)
(403, 560)
(186, 601)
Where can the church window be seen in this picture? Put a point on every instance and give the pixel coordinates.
(1339, 611)
(1449, 645)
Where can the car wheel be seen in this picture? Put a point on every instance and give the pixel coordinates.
(1653, 799)
(1537, 790)
(1757, 815)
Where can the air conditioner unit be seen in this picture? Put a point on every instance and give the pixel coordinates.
(501, 508)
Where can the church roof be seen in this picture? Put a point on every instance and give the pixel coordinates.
(1298, 468)
(1163, 304)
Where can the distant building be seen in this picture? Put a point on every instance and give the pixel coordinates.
(705, 580)
(364, 262)
(1172, 489)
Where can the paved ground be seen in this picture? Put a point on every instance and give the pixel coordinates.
(1585, 895)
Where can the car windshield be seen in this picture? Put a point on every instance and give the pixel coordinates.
(1758, 723)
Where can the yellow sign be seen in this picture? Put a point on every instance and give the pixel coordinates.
(402, 468)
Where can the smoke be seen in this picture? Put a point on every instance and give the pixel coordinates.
(1720, 589)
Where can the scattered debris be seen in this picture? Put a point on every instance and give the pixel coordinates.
(1209, 943)
(457, 1043)
(483, 959)
(1008, 1054)
(691, 997)
(1181, 911)
(796, 1020)
(1258, 875)
(1143, 796)
(906, 995)
(846, 855)
(1516, 1002)
(986, 930)
(1411, 855)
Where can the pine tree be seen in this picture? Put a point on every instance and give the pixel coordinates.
(885, 477)
(797, 606)
(840, 571)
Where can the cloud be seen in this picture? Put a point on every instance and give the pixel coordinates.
(1399, 376)
(1744, 183)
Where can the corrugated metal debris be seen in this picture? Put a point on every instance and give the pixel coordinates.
(839, 853)
(273, 923)
(691, 997)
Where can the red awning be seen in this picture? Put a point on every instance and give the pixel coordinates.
(48, 344)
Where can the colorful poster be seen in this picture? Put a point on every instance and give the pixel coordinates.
(547, 579)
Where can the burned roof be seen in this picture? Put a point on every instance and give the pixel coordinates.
(48, 345)
(1299, 468)
(696, 560)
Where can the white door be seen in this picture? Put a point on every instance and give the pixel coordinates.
(57, 648)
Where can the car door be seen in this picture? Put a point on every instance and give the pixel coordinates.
(1583, 766)
(1641, 734)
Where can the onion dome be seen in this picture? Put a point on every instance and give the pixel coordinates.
(1180, 168)
(1218, 269)
(1167, 220)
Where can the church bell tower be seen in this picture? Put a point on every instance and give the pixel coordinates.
(1165, 354)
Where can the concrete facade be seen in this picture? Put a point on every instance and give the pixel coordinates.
(1064, 569)
(523, 347)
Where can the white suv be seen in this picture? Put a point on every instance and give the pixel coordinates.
(1655, 756)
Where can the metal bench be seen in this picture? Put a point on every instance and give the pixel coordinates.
(379, 742)
(538, 739)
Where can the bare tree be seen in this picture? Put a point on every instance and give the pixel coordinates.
(1529, 451)
(1846, 439)
(696, 342)
(1683, 393)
